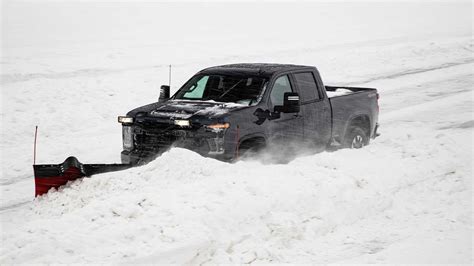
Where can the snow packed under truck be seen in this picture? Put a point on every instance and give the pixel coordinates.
(226, 111)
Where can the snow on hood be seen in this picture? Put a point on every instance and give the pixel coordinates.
(186, 109)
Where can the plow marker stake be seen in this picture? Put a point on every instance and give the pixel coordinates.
(49, 176)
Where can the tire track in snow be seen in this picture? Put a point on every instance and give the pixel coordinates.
(421, 107)
(14, 205)
(396, 99)
(91, 72)
(410, 72)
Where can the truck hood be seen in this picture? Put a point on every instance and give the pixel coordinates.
(179, 109)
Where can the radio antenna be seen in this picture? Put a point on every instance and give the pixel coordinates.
(169, 77)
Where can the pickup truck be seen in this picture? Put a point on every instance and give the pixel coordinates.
(226, 111)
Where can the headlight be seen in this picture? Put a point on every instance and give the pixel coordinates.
(125, 119)
(182, 123)
(127, 136)
(216, 144)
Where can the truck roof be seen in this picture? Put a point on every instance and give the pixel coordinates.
(260, 69)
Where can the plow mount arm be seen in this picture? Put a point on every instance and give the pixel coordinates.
(49, 176)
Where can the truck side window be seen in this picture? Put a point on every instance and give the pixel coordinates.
(282, 85)
(197, 89)
(307, 86)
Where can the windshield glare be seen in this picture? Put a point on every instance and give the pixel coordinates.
(223, 88)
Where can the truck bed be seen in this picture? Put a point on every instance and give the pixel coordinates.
(347, 102)
(336, 91)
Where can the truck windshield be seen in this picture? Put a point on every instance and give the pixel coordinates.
(223, 88)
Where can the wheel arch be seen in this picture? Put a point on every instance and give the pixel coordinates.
(362, 121)
(259, 138)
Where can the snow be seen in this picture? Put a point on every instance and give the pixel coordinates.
(215, 110)
(170, 115)
(338, 92)
(405, 198)
(190, 108)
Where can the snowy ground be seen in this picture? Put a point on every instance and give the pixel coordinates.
(71, 69)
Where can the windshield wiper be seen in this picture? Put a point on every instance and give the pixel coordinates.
(231, 88)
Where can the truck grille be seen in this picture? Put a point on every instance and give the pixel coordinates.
(153, 141)
(156, 137)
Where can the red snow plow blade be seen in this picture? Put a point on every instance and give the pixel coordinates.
(49, 176)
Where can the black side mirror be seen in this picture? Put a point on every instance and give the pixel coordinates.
(291, 103)
(264, 115)
(164, 93)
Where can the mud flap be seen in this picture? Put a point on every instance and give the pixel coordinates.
(49, 176)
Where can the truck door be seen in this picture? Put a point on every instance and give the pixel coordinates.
(288, 128)
(315, 108)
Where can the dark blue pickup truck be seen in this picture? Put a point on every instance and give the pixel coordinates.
(226, 111)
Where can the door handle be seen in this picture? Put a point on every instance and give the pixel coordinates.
(297, 116)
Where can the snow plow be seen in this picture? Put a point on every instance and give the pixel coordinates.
(48, 176)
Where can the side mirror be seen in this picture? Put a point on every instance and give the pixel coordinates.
(291, 103)
(164, 93)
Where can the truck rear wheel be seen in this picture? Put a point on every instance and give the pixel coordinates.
(356, 138)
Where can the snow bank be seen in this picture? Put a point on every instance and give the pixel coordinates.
(184, 208)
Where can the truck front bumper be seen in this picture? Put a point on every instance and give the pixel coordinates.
(208, 144)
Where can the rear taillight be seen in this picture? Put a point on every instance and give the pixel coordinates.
(378, 97)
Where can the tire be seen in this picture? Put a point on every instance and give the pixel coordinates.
(356, 138)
